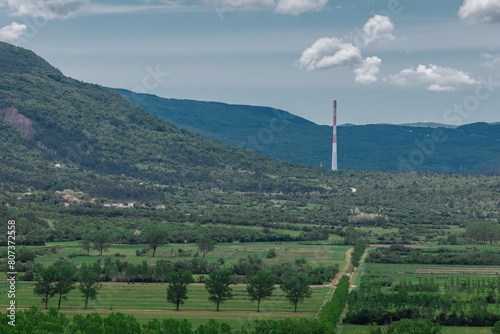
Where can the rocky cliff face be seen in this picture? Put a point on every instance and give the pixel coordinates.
(21, 122)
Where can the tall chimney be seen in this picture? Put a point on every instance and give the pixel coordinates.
(334, 144)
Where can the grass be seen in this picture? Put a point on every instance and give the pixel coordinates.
(287, 252)
(358, 329)
(148, 301)
(414, 271)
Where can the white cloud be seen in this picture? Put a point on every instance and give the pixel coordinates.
(481, 11)
(329, 52)
(491, 60)
(296, 7)
(47, 9)
(12, 31)
(436, 78)
(367, 72)
(378, 29)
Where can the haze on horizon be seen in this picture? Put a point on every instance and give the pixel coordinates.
(394, 61)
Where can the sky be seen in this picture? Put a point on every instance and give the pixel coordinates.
(387, 61)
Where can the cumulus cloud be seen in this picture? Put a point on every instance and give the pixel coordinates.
(12, 31)
(378, 29)
(329, 52)
(487, 11)
(47, 9)
(367, 72)
(435, 78)
(296, 7)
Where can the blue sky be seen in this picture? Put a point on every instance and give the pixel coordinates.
(391, 61)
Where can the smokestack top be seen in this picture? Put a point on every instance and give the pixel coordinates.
(335, 103)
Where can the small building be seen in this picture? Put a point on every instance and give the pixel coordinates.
(113, 205)
(160, 207)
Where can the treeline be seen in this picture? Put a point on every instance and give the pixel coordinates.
(114, 270)
(54, 321)
(331, 312)
(357, 254)
(459, 302)
(58, 280)
(33, 320)
(483, 232)
(406, 255)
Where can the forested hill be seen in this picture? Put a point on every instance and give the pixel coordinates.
(473, 148)
(58, 133)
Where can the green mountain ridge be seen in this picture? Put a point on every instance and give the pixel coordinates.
(472, 148)
(101, 140)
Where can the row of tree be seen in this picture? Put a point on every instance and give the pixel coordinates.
(260, 286)
(331, 312)
(447, 308)
(483, 232)
(114, 270)
(58, 280)
(35, 321)
(407, 255)
(357, 253)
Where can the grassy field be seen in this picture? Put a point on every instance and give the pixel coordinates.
(439, 272)
(148, 301)
(357, 329)
(286, 251)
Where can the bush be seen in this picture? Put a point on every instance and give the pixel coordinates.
(271, 254)
(496, 328)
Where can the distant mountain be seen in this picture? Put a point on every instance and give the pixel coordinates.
(473, 148)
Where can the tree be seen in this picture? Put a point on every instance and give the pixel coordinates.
(65, 282)
(101, 241)
(132, 272)
(206, 245)
(86, 242)
(89, 280)
(351, 236)
(45, 286)
(296, 288)
(217, 285)
(261, 286)
(158, 272)
(144, 271)
(177, 288)
(156, 237)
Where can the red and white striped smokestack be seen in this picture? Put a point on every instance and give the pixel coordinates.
(334, 143)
